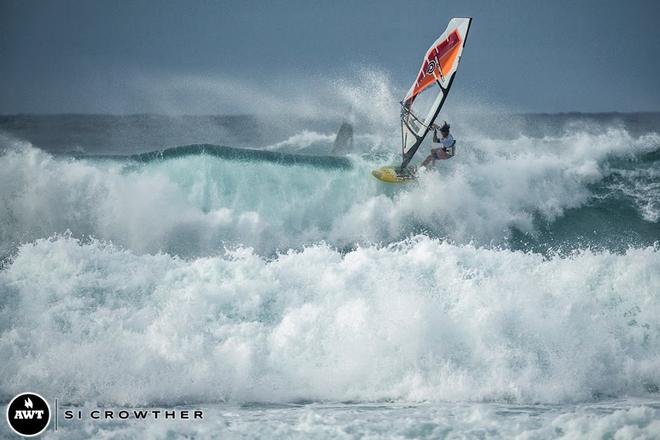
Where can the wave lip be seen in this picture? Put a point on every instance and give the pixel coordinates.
(232, 153)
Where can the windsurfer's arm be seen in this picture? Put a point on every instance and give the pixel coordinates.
(435, 136)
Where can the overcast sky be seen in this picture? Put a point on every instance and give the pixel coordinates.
(114, 56)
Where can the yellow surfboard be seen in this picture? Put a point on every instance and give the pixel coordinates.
(392, 175)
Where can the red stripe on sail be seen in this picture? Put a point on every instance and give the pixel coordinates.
(437, 54)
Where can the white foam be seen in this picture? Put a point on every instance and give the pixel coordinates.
(302, 140)
(643, 187)
(419, 320)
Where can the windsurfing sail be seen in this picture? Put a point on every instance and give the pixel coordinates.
(344, 139)
(428, 92)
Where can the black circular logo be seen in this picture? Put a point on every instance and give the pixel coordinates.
(28, 414)
(431, 67)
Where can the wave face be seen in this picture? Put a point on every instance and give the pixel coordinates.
(571, 191)
(525, 269)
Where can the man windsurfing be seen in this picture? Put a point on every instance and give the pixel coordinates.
(424, 100)
(446, 151)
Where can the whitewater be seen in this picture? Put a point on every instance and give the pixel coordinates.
(514, 292)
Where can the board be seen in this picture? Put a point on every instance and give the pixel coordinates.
(393, 175)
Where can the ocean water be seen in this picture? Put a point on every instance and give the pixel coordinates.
(227, 264)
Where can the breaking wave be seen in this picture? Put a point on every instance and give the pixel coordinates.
(570, 191)
(418, 320)
(525, 269)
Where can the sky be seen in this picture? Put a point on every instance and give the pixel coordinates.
(223, 57)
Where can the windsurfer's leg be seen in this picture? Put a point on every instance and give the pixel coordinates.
(434, 154)
(428, 159)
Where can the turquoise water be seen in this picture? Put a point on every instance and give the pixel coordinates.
(512, 292)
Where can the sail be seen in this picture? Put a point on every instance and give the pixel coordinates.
(428, 92)
(344, 139)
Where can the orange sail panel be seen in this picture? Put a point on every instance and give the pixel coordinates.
(438, 61)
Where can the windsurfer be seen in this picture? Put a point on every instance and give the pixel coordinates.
(446, 150)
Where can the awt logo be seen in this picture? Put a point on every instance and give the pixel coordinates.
(28, 414)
